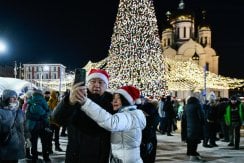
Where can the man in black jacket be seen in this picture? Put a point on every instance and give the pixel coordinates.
(149, 137)
(87, 142)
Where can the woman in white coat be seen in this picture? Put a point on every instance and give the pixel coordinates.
(126, 125)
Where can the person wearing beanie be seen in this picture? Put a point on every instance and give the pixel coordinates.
(11, 128)
(37, 122)
(9, 99)
(126, 124)
(87, 141)
(234, 117)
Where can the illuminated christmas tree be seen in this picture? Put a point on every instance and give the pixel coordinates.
(135, 54)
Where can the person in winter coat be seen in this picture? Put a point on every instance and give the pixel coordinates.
(221, 112)
(149, 136)
(193, 119)
(87, 141)
(211, 121)
(11, 121)
(126, 125)
(234, 118)
(37, 122)
(52, 103)
(169, 114)
(161, 113)
(64, 128)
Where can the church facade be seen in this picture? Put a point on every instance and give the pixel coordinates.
(183, 40)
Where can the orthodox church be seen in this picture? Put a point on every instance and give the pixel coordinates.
(182, 41)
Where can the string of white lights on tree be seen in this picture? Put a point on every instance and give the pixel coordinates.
(135, 54)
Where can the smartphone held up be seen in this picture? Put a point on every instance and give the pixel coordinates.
(80, 76)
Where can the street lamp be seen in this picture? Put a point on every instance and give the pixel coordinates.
(15, 69)
(60, 80)
(3, 47)
(196, 59)
(205, 82)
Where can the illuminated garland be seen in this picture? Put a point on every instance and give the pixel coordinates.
(183, 75)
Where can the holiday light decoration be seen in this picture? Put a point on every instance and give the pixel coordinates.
(135, 55)
(54, 84)
(187, 75)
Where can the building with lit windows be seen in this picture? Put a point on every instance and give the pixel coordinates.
(43, 74)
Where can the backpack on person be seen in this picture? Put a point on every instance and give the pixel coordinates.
(35, 112)
(36, 116)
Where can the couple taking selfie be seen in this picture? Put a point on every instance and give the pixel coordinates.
(102, 127)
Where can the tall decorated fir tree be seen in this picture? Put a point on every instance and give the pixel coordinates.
(135, 54)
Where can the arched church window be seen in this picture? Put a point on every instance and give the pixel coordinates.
(164, 42)
(207, 66)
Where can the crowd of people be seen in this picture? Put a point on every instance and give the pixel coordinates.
(210, 121)
(104, 126)
(23, 121)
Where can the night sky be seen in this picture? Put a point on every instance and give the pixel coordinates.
(73, 32)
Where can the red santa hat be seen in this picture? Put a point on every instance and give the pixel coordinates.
(98, 73)
(130, 93)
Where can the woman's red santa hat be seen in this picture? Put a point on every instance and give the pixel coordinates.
(130, 93)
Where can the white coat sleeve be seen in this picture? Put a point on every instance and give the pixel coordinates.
(117, 122)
